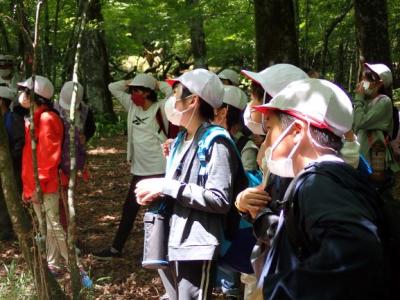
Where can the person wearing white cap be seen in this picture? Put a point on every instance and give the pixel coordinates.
(7, 76)
(49, 132)
(84, 130)
(373, 123)
(199, 203)
(229, 77)
(147, 129)
(330, 214)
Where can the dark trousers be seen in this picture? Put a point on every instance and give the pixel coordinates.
(129, 212)
(6, 230)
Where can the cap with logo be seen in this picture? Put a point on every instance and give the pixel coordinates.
(273, 79)
(317, 101)
(43, 86)
(7, 93)
(144, 80)
(230, 75)
(383, 72)
(234, 96)
(203, 83)
(66, 94)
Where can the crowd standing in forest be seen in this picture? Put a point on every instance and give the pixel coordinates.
(300, 166)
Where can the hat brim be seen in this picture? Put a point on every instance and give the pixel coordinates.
(171, 82)
(254, 76)
(294, 113)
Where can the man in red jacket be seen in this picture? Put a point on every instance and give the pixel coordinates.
(49, 136)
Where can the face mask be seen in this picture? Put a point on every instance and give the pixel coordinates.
(281, 167)
(138, 99)
(367, 88)
(24, 101)
(5, 72)
(254, 127)
(173, 115)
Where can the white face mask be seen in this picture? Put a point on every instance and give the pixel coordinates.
(173, 115)
(23, 100)
(281, 167)
(367, 88)
(254, 127)
(5, 72)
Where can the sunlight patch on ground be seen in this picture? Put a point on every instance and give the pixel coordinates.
(104, 151)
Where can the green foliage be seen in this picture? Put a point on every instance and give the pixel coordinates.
(16, 284)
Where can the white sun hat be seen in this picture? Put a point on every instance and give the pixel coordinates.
(229, 75)
(43, 86)
(234, 96)
(144, 80)
(66, 94)
(273, 79)
(317, 101)
(383, 72)
(203, 83)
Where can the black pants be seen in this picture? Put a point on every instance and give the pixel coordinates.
(129, 212)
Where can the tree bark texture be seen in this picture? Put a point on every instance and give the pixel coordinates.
(276, 38)
(197, 36)
(94, 69)
(371, 20)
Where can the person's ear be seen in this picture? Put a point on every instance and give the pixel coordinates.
(298, 131)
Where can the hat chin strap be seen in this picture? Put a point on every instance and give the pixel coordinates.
(315, 144)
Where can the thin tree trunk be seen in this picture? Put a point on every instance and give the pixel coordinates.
(4, 37)
(55, 43)
(197, 36)
(276, 39)
(328, 33)
(371, 20)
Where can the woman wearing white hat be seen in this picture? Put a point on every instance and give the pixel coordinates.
(200, 202)
(373, 123)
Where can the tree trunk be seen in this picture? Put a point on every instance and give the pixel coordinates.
(339, 66)
(276, 39)
(22, 225)
(372, 30)
(197, 36)
(94, 69)
(4, 38)
(335, 22)
(54, 50)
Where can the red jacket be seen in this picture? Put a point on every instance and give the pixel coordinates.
(49, 133)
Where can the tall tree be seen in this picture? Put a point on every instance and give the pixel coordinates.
(197, 36)
(95, 71)
(371, 20)
(276, 38)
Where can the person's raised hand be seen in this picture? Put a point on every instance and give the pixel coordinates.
(252, 200)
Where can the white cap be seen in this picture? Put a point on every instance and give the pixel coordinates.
(66, 94)
(234, 96)
(229, 75)
(43, 86)
(383, 72)
(318, 101)
(203, 83)
(7, 93)
(275, 78)
(144, 80)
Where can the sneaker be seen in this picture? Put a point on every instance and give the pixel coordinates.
(107, 254)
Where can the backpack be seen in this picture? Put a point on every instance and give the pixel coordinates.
(239, 240)
(389, 229)
(173, 130)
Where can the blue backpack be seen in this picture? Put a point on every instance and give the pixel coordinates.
(239, 240)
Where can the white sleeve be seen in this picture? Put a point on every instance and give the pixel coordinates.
(350, 153)
(118, 90)
(166, 90)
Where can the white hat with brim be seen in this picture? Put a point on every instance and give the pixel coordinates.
(66, 94)
(230, 75)
(383, 72)
(144, 80)
(317, 101)
(234, 96)
(7, 93)
(273, 79)
(203, 83)
(43, 86)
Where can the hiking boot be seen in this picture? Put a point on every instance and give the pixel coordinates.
(107, 254)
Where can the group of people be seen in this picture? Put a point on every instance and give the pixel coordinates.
(51, 135)
(325, 161)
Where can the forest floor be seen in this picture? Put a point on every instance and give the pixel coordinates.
(98, 207)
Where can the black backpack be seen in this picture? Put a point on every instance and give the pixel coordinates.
(389, 228)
